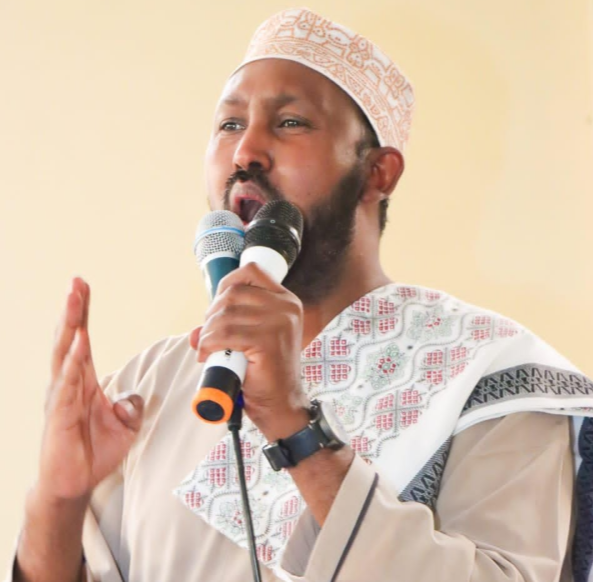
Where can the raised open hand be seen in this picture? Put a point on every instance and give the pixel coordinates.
(86, 435)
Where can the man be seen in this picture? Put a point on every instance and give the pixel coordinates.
(466, 478)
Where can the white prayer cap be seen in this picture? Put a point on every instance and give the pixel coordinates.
(354, 63)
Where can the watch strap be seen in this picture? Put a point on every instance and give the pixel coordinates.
(302, 444)
(290, 451)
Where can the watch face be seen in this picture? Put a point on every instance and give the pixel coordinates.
(330, 424)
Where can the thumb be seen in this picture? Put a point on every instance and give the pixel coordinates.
(129, 411)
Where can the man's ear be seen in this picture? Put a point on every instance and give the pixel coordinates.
(385, 166)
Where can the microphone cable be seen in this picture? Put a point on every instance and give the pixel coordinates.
(234, 424)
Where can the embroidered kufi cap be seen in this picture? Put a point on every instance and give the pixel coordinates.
(355, 64)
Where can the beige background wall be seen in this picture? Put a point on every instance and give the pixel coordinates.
(105, 109)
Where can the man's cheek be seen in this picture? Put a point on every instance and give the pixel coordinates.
(215, 187)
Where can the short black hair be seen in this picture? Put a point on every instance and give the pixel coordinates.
(370, 140)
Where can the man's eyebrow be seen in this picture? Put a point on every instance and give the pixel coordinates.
(275, 102)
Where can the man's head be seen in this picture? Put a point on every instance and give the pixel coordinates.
(284, 130)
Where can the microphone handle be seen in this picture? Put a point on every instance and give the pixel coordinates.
(224, 372)
(215, 268)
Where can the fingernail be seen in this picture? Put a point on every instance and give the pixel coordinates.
(128, 407)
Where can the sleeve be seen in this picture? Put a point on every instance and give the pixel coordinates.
(101, 538)
(102, 523)
(503, 514)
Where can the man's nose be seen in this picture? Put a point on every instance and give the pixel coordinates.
(254, 147)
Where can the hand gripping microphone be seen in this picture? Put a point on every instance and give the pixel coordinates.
(272, 241)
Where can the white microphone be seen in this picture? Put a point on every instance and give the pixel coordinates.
(273, 242)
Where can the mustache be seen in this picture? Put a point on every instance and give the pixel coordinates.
(258, 177)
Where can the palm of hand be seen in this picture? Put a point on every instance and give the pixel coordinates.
(86, 436)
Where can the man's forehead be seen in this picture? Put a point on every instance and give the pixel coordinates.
(278, 83)
(239, 99)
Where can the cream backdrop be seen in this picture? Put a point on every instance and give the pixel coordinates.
(105, 111)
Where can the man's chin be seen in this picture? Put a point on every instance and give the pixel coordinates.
(311, 285)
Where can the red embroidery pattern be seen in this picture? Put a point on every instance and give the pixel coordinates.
(433, 376)
(338, 347)
(407, 293)
(385, 403)
(249, 473)
(442, 364)
(380, 381)
(408, 417)
(480, 334)
(217, 476)
(384, 421)
(387, 365)
(360, 444)
(385, 307)
(313, 350)
(434, 358)
(290, 507)
(194, 499)
(410, 397)
(456, 370)
(313, 374)
(363, 305)
(339, 373)
(506, 328)
(246, 449)
(387, 325)
(265, 552)
(433, 322)
(218, 453)
(361, 326)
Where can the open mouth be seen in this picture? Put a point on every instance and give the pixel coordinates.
(247, 208)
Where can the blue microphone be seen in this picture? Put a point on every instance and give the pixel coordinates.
(219, 242)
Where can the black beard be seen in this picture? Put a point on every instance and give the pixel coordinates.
(327, 236)
(327, 233)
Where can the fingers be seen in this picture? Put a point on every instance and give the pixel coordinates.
(194, 337)
(90, 380)
(244, 295)
(236, 338)
(73, 371)
(246, 316)
(67, 388)
(253, 275)
(75, 315)
(251, 330)
(86, 305)
(129, 410)
(239, 314)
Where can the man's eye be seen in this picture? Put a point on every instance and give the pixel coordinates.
(230, 126)
(291, 123)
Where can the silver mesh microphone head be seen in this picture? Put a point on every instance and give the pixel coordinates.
(219, 232)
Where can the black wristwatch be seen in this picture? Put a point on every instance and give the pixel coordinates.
(322, 432)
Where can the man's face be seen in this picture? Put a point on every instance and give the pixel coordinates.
(284, 131)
